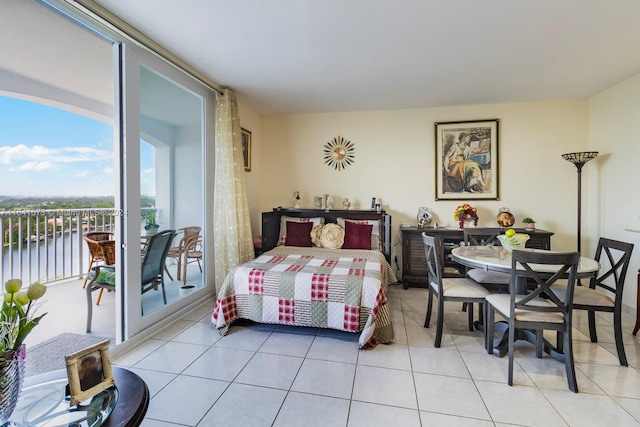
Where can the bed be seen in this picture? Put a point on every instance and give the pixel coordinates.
(343, 289)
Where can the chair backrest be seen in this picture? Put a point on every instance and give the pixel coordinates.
(480, 237)
(193, 247)
(191, 231)
(559, 265)
(613, 270)
(190, 235)
(155, 255)
(434, 254)
(101, 246)
(108, 251)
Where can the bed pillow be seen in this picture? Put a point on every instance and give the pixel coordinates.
(283, 225)
(332, 236)
(357, 236)
(376, 239)
(299, 234)
(316, 231)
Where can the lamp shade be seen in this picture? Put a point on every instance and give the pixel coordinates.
(580, 158)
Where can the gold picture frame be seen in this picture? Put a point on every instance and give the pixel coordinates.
(246, 148)
(89, 372)
(467, 165)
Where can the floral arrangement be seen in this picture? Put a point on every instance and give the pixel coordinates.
(16, 317)
(464, 213)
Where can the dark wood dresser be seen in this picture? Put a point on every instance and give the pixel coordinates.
(414, 263)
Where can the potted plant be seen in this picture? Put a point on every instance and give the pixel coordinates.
(151, 226)
(16, 322)
(529, 224)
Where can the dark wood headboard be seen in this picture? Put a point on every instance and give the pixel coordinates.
(271, 223)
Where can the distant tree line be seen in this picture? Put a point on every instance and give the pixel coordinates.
(12, 203)
(32, 224)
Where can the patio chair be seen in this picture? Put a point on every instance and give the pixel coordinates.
(187, 244)
(101, 248)
(532, 311)
(459, 289)
(192, 253)
(104, 277)
(611, 281)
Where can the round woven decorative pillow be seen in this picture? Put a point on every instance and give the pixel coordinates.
(315, 235)
(332, 236)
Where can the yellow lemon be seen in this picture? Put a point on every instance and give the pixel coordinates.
(510, 233)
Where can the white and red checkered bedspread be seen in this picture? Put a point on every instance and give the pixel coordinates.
(338, 289)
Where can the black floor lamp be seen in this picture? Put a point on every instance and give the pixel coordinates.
(579, 159)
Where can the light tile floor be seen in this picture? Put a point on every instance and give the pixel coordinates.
(263, 375)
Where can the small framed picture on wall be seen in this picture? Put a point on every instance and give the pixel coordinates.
(246, 148)
(467, 160)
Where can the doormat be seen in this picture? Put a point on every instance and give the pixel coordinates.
(49, 355)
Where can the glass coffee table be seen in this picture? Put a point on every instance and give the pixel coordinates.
(44, 401)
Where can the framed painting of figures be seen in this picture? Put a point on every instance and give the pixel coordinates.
(246, 148)
(467, 160)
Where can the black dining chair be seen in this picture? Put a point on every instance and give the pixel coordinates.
(532, 311)
(152, 271)
(493, 280)
(447, 289)
(484, 237)
(604, 293)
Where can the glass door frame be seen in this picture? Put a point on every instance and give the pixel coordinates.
(132, 59)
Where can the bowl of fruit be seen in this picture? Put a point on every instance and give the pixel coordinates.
(511, 240)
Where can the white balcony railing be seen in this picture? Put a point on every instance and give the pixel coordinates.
(45, 245)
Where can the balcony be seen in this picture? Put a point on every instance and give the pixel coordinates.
(46, 246)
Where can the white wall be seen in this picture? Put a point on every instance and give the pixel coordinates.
(613, 204)
(395, 160)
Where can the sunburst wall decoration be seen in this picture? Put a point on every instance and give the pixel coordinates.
(339, 153)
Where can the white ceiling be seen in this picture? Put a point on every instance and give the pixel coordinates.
(297, 56)
(47, 56)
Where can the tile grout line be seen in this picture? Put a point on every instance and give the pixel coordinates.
(294, 378)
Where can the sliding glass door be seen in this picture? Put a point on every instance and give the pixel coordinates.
(165, 123)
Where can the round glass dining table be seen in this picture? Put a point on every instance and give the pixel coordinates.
(496, 258)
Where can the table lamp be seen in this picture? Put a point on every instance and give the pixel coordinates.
(579, 159)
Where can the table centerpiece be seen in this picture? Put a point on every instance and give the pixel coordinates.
(466, 213)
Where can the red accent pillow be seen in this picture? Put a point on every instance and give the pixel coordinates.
(357, 236)
(299, 234)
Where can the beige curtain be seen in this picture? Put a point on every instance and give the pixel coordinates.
(231, 227)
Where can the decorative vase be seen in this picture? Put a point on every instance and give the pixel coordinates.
(530, 226)
(151, 229)
(466, 223)
(11, 376)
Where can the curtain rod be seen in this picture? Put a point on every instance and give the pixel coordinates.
(130, 33)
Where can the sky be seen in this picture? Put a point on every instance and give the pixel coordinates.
(46, 151)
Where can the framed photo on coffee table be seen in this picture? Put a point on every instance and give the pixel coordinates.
(89, 372)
